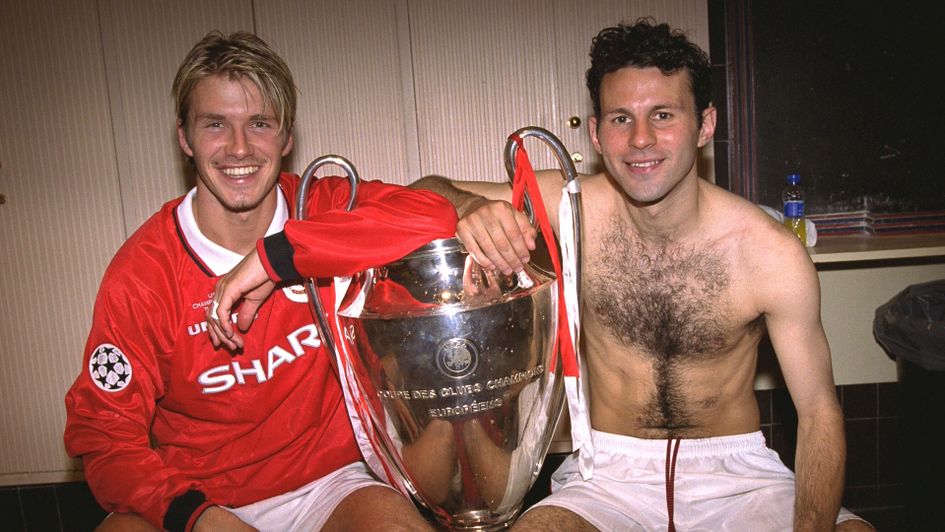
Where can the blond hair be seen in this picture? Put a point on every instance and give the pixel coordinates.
(237, 55)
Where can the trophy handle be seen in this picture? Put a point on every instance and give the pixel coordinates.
(570, 174)
(570, 254)
(314, 300)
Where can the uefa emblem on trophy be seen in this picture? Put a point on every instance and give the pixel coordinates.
(452, 372)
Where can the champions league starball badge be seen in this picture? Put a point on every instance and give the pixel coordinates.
(109, 368)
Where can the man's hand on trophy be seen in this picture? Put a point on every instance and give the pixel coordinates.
(248, 282)
(497, 236)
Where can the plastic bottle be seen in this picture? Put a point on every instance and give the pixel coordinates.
(793, 198)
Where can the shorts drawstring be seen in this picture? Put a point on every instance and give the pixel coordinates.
(671, 452)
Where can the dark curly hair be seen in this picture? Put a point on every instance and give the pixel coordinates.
(647, 44)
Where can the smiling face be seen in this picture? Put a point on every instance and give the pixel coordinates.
(237, 146)
(647, 133)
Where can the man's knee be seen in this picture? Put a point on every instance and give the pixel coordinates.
(377, 508)
(545, 518)
(125, 523)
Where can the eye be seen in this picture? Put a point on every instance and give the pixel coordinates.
(662, 115)
(621, 119)
(214, 125)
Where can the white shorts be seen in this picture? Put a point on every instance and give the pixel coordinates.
(729, 483)
(307, 508)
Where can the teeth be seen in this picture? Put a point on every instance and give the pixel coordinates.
(241, 171)
(644, 165)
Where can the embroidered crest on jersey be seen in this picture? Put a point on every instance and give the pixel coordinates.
(109, 368)
(296, 293)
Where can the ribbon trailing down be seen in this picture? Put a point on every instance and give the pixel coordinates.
(569, 323)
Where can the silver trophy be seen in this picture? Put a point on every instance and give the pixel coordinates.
(456, 369)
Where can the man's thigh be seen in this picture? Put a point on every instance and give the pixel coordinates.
(321, 502)
(376, 508)
(552, 518)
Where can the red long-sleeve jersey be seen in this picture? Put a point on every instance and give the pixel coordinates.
(164, 422)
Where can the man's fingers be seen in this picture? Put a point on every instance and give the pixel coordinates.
(214, 339)
(472, 246)
(217, 337)
(529, 233)
(247, 313)
(498, 236)
(482, 245)
(220, 321)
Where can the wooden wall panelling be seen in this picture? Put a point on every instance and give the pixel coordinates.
(59, 226)
(481, 71)
(144, 43)
(345, 56)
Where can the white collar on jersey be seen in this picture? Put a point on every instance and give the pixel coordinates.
(219, 259)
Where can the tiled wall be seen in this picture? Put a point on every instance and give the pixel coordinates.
(874, 481)
(52, 508)
(873, 484)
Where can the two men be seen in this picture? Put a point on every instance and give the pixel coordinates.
(681, 281)
(181, 430)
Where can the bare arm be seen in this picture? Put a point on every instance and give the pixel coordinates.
(792, 309)
(497, 236)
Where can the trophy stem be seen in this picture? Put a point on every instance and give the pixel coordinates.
(480, 521)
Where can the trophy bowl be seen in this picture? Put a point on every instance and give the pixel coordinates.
(458, 371)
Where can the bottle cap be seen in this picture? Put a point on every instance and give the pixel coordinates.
(793, 179)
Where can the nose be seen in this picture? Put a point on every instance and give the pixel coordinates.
(239, 146)
(642, 135)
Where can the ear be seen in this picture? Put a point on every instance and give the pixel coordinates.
(289, 143)
(182, 139)
(708, 126)
(592, 129)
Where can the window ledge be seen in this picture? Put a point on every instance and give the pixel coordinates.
(866, 247)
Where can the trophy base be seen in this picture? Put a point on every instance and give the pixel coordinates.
(480, 521)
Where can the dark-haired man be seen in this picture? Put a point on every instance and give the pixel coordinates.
(681, 281)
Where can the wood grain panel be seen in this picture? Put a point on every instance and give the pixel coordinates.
(144, 43)
(61, 222)
(345, 58)
(481, 71)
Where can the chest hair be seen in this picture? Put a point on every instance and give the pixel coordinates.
(667, 301)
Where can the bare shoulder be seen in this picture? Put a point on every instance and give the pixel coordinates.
(598, 192)
(552, 184)
(765, 256)
(759, 240)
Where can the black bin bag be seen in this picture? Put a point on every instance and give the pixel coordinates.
(911, 325)
(911, 328)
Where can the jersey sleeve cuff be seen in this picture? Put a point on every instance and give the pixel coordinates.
(183, 511)
(278, 257)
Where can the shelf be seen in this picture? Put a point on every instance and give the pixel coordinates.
(865, 247)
